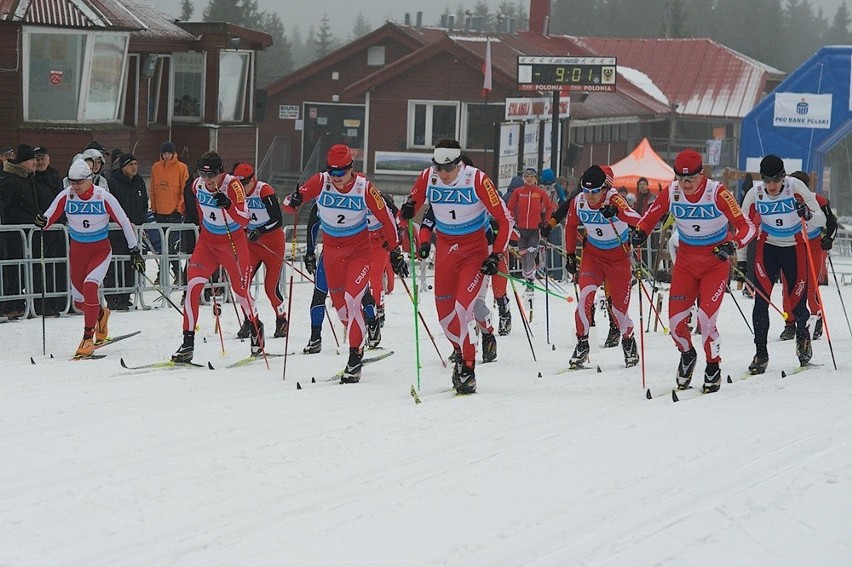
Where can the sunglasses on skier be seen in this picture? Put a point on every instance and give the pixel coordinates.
(688, 178)
(208, 174)
(446, 167)
(593, 190)
(773, 179)
(338, 171)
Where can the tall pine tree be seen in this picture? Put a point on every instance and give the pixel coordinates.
(324, 40)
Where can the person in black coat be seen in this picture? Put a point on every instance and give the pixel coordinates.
(48, 184)
(128, 187)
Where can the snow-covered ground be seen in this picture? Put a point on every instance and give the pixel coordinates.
(103, 466)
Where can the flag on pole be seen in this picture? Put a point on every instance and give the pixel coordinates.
(486, 69)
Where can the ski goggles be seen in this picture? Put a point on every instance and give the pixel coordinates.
(446, 167)
(774, 179)
(338, 171)
(208, 174)
(593, 190)
(688, 178)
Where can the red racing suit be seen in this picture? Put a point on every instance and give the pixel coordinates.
(701, 220)
(346, 248)
(461, 214)
(265, 218)
(605, 257)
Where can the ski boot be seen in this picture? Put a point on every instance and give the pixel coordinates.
(505, 325)
(489, 347)
(380, 315)
(581, 352)
(352, 372)
(315, 342)
(245, 330)
(789, 331)
(257, 341)
(614, 335)
(280, 327)
(455, 356)
(631, 356)
(466, 380)
(712, 378)
(759, 362)
(456, 372)
(685, 368)
(374, 333)
(87, 346)
(102, 328)
(185, 352)
(804, 351)
(818, 328)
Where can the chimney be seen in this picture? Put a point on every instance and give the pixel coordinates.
(443, 20)
(407, 19)
(451, 22)
(419, 20)
(539, 14)
(511, 26)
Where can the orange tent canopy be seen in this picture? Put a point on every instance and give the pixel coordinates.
(643, 161)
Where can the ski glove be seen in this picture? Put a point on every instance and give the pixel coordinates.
(310, 260)
(406, 211)
(826, 243)
(609, 211)
(398, 264)
(571, 263)
(137, 261)
(725, 250)
(491, 264)
(296, 199)
(423, 251)
(638, 237)
(222, 200)
(803, 210)
(41, 222)
(254, 234)
(740, 272)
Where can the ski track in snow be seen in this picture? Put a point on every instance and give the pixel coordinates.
(105, 466)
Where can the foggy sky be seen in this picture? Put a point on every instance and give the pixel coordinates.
(342, 13)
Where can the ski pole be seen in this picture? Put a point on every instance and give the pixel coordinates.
(731, 293)
(833, 273)
(43, 283)
(162, 293)
(425, 326)
(532, 285)
(760, 292)
(815, 283)
(527, 329)
(290, 295)
(414, 302)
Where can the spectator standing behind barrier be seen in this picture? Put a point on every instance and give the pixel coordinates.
(644, 197)
(6, 152)
(530, 207)
(168, 179)
(128, 187)
(18, 199)
(48, 185)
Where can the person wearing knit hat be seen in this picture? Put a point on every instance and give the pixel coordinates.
(265, 243)
(530, 206)
(169, 176)
(221, 204)
(606, 217)
(703, 210)
(89, 209)
(785, 209)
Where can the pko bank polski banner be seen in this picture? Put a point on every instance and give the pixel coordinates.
(802, 110)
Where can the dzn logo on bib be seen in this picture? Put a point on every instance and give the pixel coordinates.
(775, 207)
(688, 211)
(591, 217)
(461, 195)
(334, 201)
(85, 208)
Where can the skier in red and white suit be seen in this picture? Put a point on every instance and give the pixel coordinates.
(606, 217)
(223, 215)
(374, 307)
(89, 209)
(462, 197)
(343, 199)
(265, 242)
(702, 209)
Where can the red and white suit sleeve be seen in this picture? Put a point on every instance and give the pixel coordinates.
(56, 208)
(744, 229)
(117, 214)
(309, 190)
(572, 222)
(382, 212)
(487, 193)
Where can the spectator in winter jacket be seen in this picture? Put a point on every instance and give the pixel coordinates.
(530, 207)
(128, 187)
(514, 183)
(168, 179)
(644, 197)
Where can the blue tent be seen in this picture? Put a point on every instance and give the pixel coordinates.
(806, 121)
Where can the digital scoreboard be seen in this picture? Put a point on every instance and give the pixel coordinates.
(541, 73)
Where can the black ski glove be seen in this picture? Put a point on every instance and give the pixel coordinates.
(491, 265)
(571, 263)
(638, 237)
(826, 243)
(40, 221)
(740, 272)
(222, 200)
(804, 211)
(137, 261)
(310, 260)
(253, 235)
(423, 251)
(725, 250)
(609, 211)
(398, 263)
(406, 211)
(296, 199)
